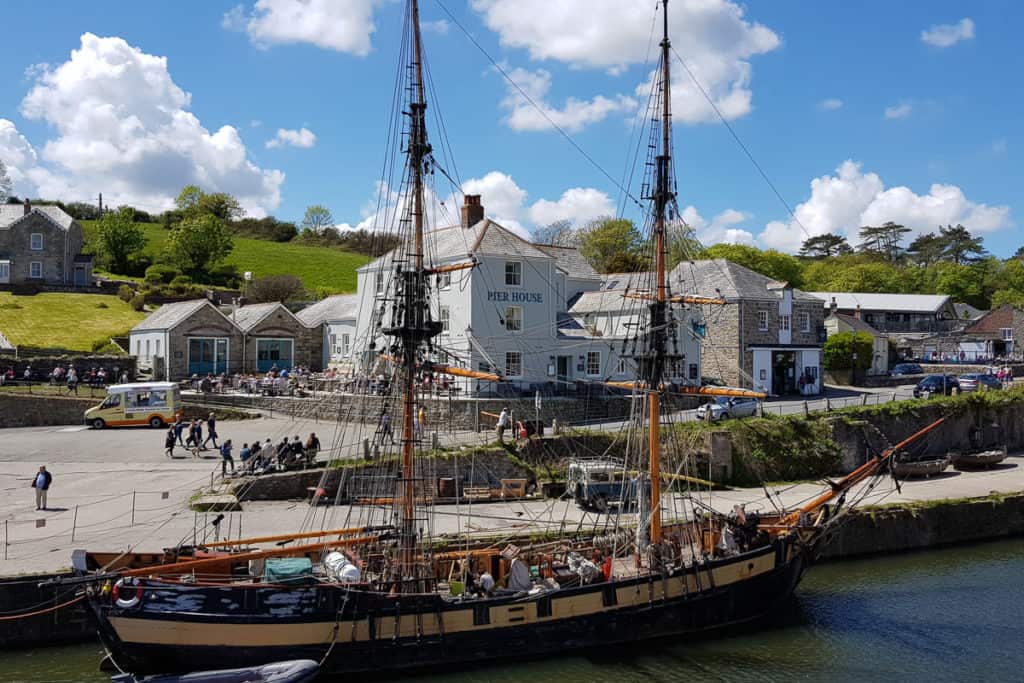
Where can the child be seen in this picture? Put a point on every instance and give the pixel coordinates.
(169, 442)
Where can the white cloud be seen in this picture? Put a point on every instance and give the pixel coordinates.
(574, 116)
(285, 137)
(123, 128)
(440, 27)
(947, 35)
(721, 229)
(342, 26)
(899, 111)
(18, 156)
(830, 104)
(844, 202)
(576, 205)
(713, 35)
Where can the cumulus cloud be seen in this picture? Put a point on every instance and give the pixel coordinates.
(844, 202)
(577, 205)
(831, 104)
(574, 116)
(123, 128)
(329, 24)
(440, 27)
(715, 38)
(947, 35)
(18, 156)
(899, 111)
(286, 137)
(720, 229)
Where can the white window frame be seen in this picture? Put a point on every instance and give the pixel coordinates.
(32, 241)
(785, 322)
(445, 280)
(1006, 333)
(157, 353)
(592, 365)
(444, 316)
(346, 344)
(147, 348)
(514, 319)
(35, 270)
(513, 361)
(805, 322)
(516, 272)
(378, 284)
(622, 366)
(762, 320)
(332, 341)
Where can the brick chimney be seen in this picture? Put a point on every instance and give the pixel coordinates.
(856, 312)
(28, 206)
(472, 211)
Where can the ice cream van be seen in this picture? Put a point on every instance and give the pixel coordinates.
(139, 403)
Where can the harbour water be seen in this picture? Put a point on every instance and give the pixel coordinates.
(944, 615)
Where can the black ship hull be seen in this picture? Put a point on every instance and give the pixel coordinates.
(374, 633)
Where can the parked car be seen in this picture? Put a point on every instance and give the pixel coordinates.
(728, 406)
(937, 384)
(906, 369)
(973, 381)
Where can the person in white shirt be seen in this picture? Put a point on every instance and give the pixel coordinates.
(503, 421)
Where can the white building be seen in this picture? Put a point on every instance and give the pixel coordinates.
(338, 314)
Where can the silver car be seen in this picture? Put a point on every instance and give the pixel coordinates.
(728, 406)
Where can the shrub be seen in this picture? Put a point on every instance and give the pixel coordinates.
(840, 349)
(161, 274)
(109, 349)
(125, 293)
(181, 281)
(138, 302)
(225, 275)
(12, 306)
(102, 305)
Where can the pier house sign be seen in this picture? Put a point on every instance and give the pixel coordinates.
(517, 297)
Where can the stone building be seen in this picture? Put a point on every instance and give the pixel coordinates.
(838, 322)
(41, 245)
(767, 336)
(994, 335)
(338, 315)
(195, 338)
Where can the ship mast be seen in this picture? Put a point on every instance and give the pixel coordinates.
(657, 336)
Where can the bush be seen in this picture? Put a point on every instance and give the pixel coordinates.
(138, 302)
(125, 293)
(840, 349)
(181, 281)
(225, 275)
(109, 349)
(102, 305)
(12, 306)
(161, 274)
(138, 264)
(274, 288)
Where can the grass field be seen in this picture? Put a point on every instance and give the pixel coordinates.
(70, 321)
(319, 268)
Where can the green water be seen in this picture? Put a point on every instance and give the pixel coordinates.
(947, 615)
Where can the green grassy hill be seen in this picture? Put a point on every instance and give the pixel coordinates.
(332, 270)
(70, 321)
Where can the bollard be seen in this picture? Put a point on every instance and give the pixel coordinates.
(435, 441)
(554, 426)
(366, 449)
(893, 396)
(863, 399)
(807, 409)
(376, 452)
(828, 405)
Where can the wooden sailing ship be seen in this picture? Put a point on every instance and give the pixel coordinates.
(389, 596)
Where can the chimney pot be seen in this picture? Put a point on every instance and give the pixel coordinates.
(833, 306)
(856, 312)
(472, 211)
(28, 206)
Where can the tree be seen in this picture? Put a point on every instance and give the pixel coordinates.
(6, 186)
(274, 288)
(770, 263)
(840, 349)
(883, 240)
(188, 198)
(926, 249)
(613, 245)
(1007, 296)
(120, 237)
(192, 201)
(683, 244)
(559, 234)
(824, 246)
(197, 243)
(959, 245)
(317, 219)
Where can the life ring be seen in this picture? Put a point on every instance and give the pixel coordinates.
(126, 602)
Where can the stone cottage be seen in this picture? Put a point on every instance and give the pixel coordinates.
(41, 245)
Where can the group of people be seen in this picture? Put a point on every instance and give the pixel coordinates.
(194, 442)
(1003, 373)
(96, 376)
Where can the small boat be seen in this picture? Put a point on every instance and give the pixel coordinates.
(910, 469)
(978, 459)
(292, 671)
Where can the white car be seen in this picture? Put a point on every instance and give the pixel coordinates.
(728, 406)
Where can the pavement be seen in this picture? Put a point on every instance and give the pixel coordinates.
(114, 490)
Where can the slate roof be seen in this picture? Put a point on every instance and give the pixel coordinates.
(967, 312)
(247, 317)
(486, 237)
(993, 322)
(719, 277)
(571, 261)
(902, 303)
(170, 315)
(340, 307)
(602, 301)
(11, 213)
(856, 324)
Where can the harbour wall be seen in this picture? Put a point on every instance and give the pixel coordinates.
(20, 410)
(870, 531)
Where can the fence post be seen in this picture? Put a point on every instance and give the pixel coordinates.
(863, 399)
(807, 409)
(828, 404)
(894, 396)
(133, 508)
(74, 523)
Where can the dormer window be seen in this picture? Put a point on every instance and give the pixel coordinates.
(36, 241)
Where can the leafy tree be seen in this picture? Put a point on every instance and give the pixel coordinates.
(682, 243)
(317, 219)
(959, 245)
(613, 245)
(1003, 297)
(274, 288)
(771, 263)
(852, 273)
(560, 234)
(839, 350)
(120, 237)
(197, 243)
(926, 249)
(6, 186)
(188, 198)
(193, 201)
(824, 246)
(883, 240)
(962, 283)
(267, 228)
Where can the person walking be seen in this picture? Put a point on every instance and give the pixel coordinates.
(312, 448)
(503, 420)
(211, 431)
(385, 428)
(179, 427)
(41, 483)
(245, 456)
(169, 442)
(225, 459)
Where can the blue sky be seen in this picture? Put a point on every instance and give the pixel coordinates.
(895, 111)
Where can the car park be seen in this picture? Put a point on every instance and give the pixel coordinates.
(937, 384)
(728, 406)
(906, 369)
(973, 381)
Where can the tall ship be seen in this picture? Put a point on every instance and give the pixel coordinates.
(396, 587)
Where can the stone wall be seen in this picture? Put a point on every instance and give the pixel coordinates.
(42, 366)
(18, 410)
(719, 349)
